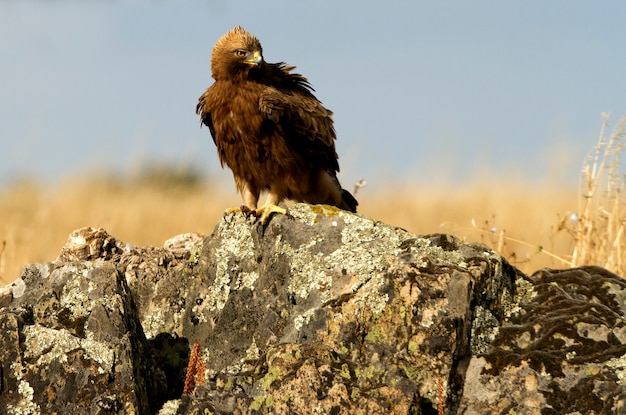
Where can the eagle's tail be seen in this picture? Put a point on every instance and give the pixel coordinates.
(348, 202)
(329, 192)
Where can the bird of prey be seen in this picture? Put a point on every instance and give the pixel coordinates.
(269, 129)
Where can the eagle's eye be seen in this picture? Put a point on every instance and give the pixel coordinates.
(240, 53)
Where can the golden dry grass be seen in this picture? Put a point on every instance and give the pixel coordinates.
(533, 226)
(495, 214)
(36, 221)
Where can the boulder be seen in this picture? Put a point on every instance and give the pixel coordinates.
(562, 350)
(318, 312)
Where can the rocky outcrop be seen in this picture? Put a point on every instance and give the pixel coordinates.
(563, 351)
(322, 312)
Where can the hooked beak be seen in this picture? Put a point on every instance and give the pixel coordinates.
(254, 58)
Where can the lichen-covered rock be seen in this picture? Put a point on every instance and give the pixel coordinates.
(563, 351)
(86, 244)
(336, 313)
(322, 311)
(71, 344)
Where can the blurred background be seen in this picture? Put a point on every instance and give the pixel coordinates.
(462, 117)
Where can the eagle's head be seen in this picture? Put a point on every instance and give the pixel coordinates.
(235, 54)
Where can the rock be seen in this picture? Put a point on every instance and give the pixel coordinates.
(322, 311)
(562, 351)
(85, 244)
(71, 344)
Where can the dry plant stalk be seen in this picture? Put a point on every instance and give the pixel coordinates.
(201, 368)
(440, 406)
(497, 239)
(598, 230)
(195, 370)
(2, 261)
(360, 183)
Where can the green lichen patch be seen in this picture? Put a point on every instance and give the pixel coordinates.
(237, 243)
(46, 344)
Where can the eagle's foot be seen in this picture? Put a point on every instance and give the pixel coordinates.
(239, 209)
(265, 212)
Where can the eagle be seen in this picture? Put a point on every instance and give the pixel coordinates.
(270, 129)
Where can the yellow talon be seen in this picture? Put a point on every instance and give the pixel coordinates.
(238, 209)
(265, 212)
(262, 214)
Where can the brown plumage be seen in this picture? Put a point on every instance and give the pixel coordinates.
(269, 128)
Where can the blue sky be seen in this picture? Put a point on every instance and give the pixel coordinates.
(421, 91)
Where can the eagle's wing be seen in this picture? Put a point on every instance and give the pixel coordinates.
(205, 115)
(304, 122)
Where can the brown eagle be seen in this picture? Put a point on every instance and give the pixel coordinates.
(269, 129)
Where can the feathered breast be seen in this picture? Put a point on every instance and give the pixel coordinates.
(270, 125)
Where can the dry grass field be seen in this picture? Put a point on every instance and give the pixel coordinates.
(533, 226)
(37, 221)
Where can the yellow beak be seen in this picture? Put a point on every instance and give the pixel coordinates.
(254, 59)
